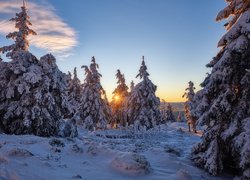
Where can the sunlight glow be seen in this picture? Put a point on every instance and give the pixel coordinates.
(117, 97)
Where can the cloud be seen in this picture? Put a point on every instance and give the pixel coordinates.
(54, 34)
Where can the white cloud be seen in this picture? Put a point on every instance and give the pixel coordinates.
(54, 35)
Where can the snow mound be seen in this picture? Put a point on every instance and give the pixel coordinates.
(20, 152)
(173, 150)
(77, 148)
(131, 164)
(3, 159)
(29, 142)
(56, 142)
(182, 174)
(7, 175)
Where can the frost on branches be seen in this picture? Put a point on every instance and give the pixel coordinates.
(33, 96)
(143, 107)
(74, 92)
(94, 110)
(225, 107)
(189, 106)
(118, 101)
(22, 24)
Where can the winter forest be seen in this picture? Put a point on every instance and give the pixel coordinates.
(55, 125)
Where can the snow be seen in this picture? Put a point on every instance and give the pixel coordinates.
(34, 98)
(161, 153)
(131, 164)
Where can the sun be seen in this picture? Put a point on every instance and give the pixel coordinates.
(117, 97)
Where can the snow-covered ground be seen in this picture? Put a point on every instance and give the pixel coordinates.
(161, 153)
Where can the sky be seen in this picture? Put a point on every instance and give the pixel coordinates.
(177, 38)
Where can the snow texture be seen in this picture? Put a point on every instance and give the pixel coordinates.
(103, 154)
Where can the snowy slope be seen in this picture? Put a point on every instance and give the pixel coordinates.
(162, 153)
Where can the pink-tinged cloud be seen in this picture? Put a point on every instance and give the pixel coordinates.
(54, 35)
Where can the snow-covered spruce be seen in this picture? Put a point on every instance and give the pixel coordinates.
(22, 24)
(163, 109)
(75, 89)
(190, 105)
(33, 96)
(143, 107)
(119, 98)
(94, 111)
(169, 115)
(55, 97)
(225, 106)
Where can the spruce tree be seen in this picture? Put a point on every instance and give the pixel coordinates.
(94, 110)
(143, 107)
(224, 106)
(119, 99)
(33, 96)
(22, 24)
(189, 106)
(74, 91)
(163, 111)
(169, 113)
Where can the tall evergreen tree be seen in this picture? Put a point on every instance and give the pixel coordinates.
(22, 24)
(143, 107)
(189, 106)
(118, 100)
(94, 110)
(33, 96)
(75, 89)
(225, 106)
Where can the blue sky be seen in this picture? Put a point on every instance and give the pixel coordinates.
(177, 38)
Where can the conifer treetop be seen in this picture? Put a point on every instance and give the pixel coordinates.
(122, 87)
(189, 94)
(120, 77)
(132, 85)
(69, 74)
(93, 68)
(143, 70)
(24, 3)
(75, 73)
(88, 74)
(22, 24)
